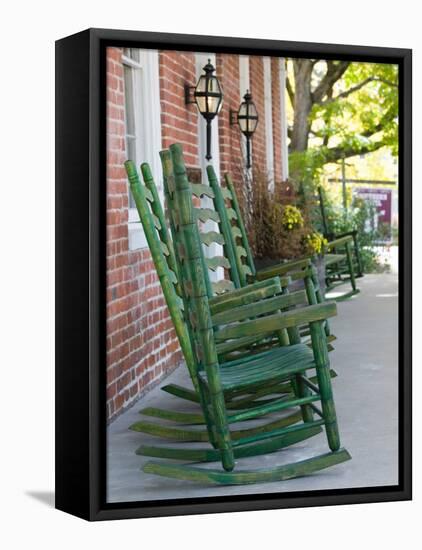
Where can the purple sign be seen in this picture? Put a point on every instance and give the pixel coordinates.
(381, 198)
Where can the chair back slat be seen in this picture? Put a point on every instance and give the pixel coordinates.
(197, 304)
(217, 261)
(168, 277)
(200, 190)
(220, 287)
(211, 234)
(233, 229)
(173, 214)
(206, 214)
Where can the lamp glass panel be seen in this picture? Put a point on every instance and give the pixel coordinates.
(213, 104)
(243, 109)
(202, 84)
(243, 124)
(252, 110)
(252, 124)
(214, 85)
(201, 102)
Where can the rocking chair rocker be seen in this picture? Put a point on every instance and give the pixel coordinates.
(215, 379)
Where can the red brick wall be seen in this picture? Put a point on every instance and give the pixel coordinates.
(256, 81)
(276, 116)
(179, 122)
(227, 70)
(141, 342)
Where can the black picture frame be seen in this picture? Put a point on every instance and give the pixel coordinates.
(80, 274)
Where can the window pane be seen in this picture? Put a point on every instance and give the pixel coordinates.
(132, 53)
(135, 54)
(129, 99)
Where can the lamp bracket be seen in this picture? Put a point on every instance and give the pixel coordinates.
(189, 99)
(232, 117)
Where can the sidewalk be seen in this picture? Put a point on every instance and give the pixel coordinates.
(366, 359)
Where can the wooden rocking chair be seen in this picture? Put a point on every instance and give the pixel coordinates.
(342, 267)
(161, 246)
(215, 379)
(233, 229)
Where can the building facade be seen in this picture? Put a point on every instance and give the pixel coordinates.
(146, 112)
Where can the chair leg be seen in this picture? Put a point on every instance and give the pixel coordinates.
(218, 419)
(358, 256)
(351, 268)
(301, 390)
(325, 388)
(320, 298)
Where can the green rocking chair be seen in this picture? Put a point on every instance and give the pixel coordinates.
(152, 217)
(339, 273)
(286, 363)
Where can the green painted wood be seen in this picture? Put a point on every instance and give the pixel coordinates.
(222, 286)
(283, 268)
(182, 392)
(211, 237)
(187, 229)
(298, 269)
(262, 436)
(241, 225)
(280, 473)
(278, 321)
(175, 416)
(212, 455)
(206, 214)
(224, 226)
(274, 406)
(324, 384)
(163, 232)
(216, 262)
(339, 242)
(259, 308)
(220, 384)
(156, 247)
(199, 190)
(330, 259)
(200, 435)
(246, 295)
(150, 195)
(280, 364)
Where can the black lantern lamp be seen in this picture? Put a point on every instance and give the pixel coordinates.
(247, 118)
(208, 97)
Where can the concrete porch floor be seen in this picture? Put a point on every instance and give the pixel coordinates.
(366, 359)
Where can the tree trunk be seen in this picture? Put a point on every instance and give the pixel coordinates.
(302, 104)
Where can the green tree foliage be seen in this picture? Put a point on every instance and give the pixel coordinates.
(339, 109)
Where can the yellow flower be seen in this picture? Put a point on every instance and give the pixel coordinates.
(291, 217)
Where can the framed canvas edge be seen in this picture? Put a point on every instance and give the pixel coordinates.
(89, 501)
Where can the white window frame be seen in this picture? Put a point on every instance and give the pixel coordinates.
(268, 108)
(244, 85)
(201, 59)
(147, 109)
(283, 114)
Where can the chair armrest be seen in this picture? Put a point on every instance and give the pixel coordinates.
(248, 294)
(351, 233)
(262, 307)
(338, 242)
(278, 321)
(282, 269)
